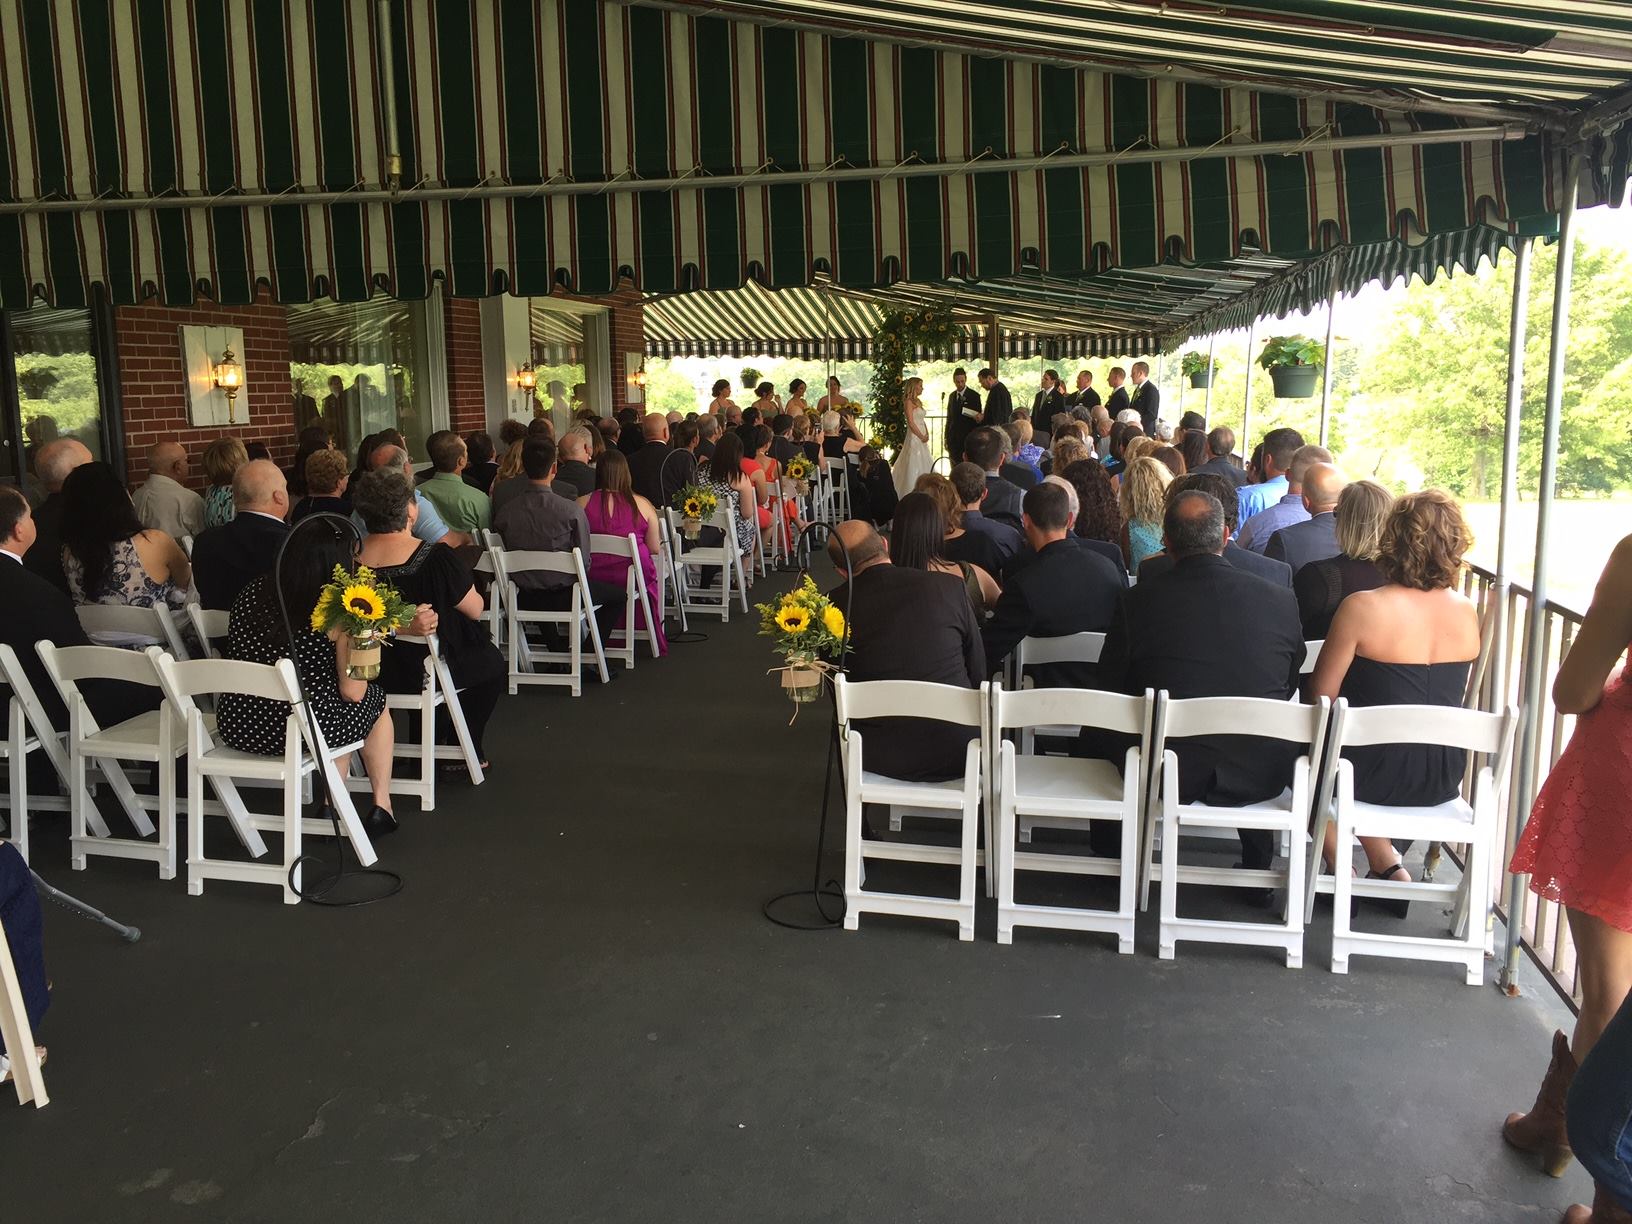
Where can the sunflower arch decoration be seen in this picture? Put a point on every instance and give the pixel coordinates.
(901, 337)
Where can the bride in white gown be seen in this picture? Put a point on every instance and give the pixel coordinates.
(914, 460)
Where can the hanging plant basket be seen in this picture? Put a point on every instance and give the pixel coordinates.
(1202, 381)
(1294, 381)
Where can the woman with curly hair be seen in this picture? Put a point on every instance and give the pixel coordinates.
(1099, 517)
(1143, 501)
(1412, 641)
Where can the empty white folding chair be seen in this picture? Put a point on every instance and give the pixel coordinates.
(209, 627)
(577, 619)
(836, 474)
(723, 557)
(1458, 821)
(155, 738)
(28, 730)
(622, 642)
(1286, 815)
(21, 1058)
(1082, 647)
(962, 796)
(132, 628)
(1068, 792)
(208, 758)
(437, 692)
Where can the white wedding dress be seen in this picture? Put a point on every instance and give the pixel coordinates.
(914, 460)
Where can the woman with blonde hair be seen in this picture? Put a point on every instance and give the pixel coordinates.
(222, 458)
(1362, 509)
(913, 460)
(1144, 500)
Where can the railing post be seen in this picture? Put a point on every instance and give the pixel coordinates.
(1510, 450)
(1536, 644)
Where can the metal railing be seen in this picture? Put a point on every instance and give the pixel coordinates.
(1543, 931)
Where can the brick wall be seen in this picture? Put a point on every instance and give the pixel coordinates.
(467, 401)
(627, 327)
(153, 381)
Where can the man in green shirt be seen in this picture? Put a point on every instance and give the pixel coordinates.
(462, 507)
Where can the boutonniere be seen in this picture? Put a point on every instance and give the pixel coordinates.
(1136, 393)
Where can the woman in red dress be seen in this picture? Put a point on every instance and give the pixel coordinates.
(1577, 846)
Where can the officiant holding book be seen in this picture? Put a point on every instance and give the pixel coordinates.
(962, 414)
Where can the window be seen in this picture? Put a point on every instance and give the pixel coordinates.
(361, 367)
(557, 339)
(53, 384)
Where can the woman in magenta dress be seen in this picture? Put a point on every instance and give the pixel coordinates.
(1577, 846)
(616, 509)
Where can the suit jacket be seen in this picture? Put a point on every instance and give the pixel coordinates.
(1118, 401)
(1045, 405)
(908, 624)
(1003, 499)
(1207, 629)
(45, 558)
(958, 425)
(646, 471)
(1302, 543)
(1064, 589)
(228, 558)
(577, 475)
(984, 543)
(1147, 398)
(1219, 466)
(1100, 548)
(1020, 475)
(479, 476)
(1244, 559)
(999, 407)
(1086, 398)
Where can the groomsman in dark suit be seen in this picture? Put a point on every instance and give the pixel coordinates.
(1118, 399)
(999, 407)
(1047, 404)
(962, 414)
(1146, 397)
(1084, 396)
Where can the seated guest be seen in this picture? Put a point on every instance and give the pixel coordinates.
(1143, 500)
(1068, 449)
(905, 624)
(539, 519)
(708, 430)
(572, 466)
(327, 479)
(733, 487)
(876, 498)
(614, 508)
(1220, 448)
(25, 935)
(610, 431)
(1111, 552)
(646, 464)
(1099, 431)
(108, 557)
(982, 541)
(511, 431)
(1192, 422)
(1277, 572)
(222, 458)
(838, 437)
(1192, 444)
(347, 711)
(629, 438)
(510, 479)
(308, 442)
(227, 558)
(462, 507)
(679, 466)
(1257, 531)
(257, 450)
(424, 573)
(1027, 454)
(783, 447)
(1207, 629)
(1272, 460)
(805, 441)
(945, 495)
(1017, 474)
(1321, 586)
(1171, 458)
(427, 523)
(481, 465)
(1411, 641)
(52, 463)
(984, 447)
(1315, 538)
(918, 541)
(1116, 457)
(761, 468)
(1063, 589)
(1099, 513)
(163, 502)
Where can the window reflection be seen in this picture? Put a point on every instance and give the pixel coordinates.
(56, 381)
(557, 341)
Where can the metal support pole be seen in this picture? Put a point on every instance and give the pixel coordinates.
(1207, 404)
(1246, 404)
(1535, 645)
(1326, 373)
(388, 95)
(994, 345)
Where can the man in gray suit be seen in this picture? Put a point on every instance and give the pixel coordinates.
(1277, 572)
(1315, 539)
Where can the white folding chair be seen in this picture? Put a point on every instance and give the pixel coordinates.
(1311, 656)
(132, 628)
(636, 598)
(1287, 815)
(941, 703)
(209, 627)
(836, 473)
(491, 565)
(155, 737)
(1082, 647)
(723, 557)
(673, 592)
(28, 730)
(578, 618)
(24, 1062)
(1068, 792)
(436, 692)
(304, 752)
(1457, 820)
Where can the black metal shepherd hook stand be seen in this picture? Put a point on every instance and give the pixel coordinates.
(325, 890)
(684, 633)
(820, 890)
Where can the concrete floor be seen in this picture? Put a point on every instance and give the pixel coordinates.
(575, 1011)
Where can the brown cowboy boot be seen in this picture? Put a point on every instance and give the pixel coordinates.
(1542, 1130)
(1604, 1210)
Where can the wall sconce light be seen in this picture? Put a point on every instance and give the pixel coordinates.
(526, 379)
(229, 377)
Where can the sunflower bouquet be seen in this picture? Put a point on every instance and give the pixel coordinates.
(807, 629)
(696, 503)
(366, 610)
(796, 474)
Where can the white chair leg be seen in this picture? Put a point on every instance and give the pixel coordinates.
(292, 833)
(427, 750)
(167, 817)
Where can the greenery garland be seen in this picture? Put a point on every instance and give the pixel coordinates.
(896, 341)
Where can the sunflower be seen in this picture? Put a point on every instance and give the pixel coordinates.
(363, 602)
(793, 619)
(834, 620)
(325, 606)
(692, 509)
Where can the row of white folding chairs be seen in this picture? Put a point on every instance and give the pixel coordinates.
(724, 557)
(1144, 797)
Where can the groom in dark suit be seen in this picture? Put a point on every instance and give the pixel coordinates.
(962, 414)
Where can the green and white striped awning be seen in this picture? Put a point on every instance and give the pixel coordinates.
(502, 104)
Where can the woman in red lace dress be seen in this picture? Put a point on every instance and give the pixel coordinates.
(1577, 847)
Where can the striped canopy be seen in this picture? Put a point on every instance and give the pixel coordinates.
(235, 144)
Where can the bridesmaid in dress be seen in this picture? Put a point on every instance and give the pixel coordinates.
(616, 509)
(1577, 851)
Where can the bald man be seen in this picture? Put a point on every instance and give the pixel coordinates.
(647, 465)
(52, 464)
(164, 502)
(228, 558)
(906, 624)
(1316, 539)
(1258, 529)
(429, 525)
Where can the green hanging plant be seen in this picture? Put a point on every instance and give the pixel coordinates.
(1195, 362)
(1292, 351)
(897, 340)
(751, 378)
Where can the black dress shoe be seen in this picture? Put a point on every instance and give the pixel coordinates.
(379, 822)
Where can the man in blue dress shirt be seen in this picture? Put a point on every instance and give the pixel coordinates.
(1289, 510)
(1280, 445)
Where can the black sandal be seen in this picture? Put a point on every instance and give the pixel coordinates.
(1399, 907)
